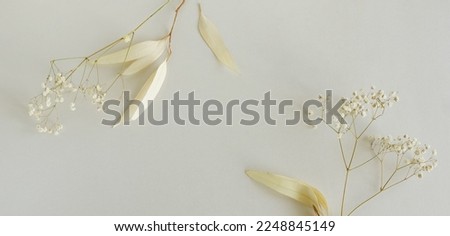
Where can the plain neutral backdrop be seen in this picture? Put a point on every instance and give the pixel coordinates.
(295, 49)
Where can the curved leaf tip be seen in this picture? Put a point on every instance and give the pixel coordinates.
(213, 39)
(295, 189)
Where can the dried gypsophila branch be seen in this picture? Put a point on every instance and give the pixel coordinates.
(140, 55)
(61, 84)
(410, 159)
(410, 155)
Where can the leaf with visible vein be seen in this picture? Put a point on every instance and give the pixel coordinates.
(295, 189)
(141, 64)
(213, 39)
(147, 93)
(151, 49)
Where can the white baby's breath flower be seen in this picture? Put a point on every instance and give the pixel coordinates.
(361, 104)
(72, 106)
(46, 91)
(127, 38)
(399, 158)
(408, 150)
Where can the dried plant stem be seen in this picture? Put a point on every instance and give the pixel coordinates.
(54, 90)
(348, 166)
(344, 191)
(342, 154)
(119, 76)
(384, 185)
(365, 129)
(347, 173)
(169, 35)
(382, 189)
(106, 48)
(364, 202)
(150, 16)
(410, 156)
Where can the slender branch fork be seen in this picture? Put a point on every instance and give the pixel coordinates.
(87, 64)
(169, 35)
(177, 10)
(348, 163)
(108, 47)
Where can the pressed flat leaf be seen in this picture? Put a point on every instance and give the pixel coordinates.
(141, 63)
(213, 39)
(151, 49)
(147, 93)
(295, 189)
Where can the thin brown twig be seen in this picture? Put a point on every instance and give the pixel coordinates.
(170, 34)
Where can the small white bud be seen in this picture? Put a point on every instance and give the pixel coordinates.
(46, 92)
(127, 38)
(72, 106)
(48, 102)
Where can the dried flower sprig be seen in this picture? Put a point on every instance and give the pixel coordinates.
(360, 105)
(84, 78)
(372, 105)
(399, 159)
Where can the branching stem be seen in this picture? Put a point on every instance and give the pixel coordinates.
(170, 34)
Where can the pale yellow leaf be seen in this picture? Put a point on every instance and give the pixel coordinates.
(213, 39)
(141, 64)
(147, 93)
(151, 49)
(295, 189)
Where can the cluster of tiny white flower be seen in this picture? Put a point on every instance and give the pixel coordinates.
(359, 105)
(43, 105)
(399, 158)
(50, 129)
(96, 93)
(139, 56)
(412, 153)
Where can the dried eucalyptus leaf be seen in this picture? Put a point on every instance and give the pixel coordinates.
(151, 49)
(142, 63)
(148, 92)
(295, 189)
(213, 39)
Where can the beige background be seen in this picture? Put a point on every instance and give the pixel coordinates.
(296, 49)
